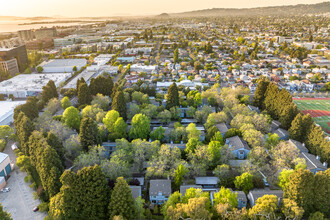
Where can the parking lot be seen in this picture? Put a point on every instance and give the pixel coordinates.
(19, 201)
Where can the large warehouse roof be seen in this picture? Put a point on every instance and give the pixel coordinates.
(7, 109)
(64, 63)
(31, 82)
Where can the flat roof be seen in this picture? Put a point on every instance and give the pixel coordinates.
(7, 106)
(64, 63)
(3, 157)
(31, 82)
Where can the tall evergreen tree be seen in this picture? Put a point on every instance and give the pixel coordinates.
(271, 98)
(259, 95)
(89, 135)
(56, 144)
(84, 95)
(109, 86)
(172, 96)
(48, 92)
(24, 128)
(119, 104)
(296, 131)
(30, 109)
(83, 195)
(287, 115)
(122, 202)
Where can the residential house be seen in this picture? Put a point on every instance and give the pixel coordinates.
(239, 148)
(207, 182)
(223, 128)
(313, 162)
(257, 193)
(159, 191)
(184, 188)
(136, 191)
(282, 133)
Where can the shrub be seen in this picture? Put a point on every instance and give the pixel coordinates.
(43, 207)
(258, 182)
(3, 144)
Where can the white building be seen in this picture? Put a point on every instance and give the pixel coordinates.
(25, 85)
(5, 165)
(7, 111)
(63, 65)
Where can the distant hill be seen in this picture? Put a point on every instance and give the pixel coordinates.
(319, 8)
(163, 15)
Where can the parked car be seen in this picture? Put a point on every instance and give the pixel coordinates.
(35, 209)
(5, 190)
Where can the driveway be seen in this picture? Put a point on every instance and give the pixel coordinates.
(19, 201)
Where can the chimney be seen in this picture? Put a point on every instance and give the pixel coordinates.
(325, 164)
(318, 157)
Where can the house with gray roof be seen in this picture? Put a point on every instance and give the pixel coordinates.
(300, 146)
(207, 182)
(223, 128)
(241, 199)
(257, 193)
(313, 162)
(159, 191)
(136, 191)
(184, 188)
(238, 147)
(282, 134)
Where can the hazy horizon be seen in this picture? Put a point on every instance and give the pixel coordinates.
(102, 8)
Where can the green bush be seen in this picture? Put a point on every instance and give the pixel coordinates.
(43, 207)
(3, 144)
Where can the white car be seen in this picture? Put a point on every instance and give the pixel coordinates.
(5, 190)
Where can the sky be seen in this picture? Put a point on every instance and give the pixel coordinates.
(95, 8)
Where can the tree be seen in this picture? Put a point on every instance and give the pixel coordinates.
(180, 172)
(4, 215)
(89, 135)
(197, 208)
(49, 91)
(84, 95)
(258, 156)
(300, 188)
(165, 116)
(165, 163)
(193, 132)
(218, 137)
(211, 132)
(283, 155)
(65, 103)
(101, 101)
(244, 182)
(265, 207)
(214, 150)
(287, 115)
(56, 144)
(122, 202)
(40, 69)
(110, 119)
(140, 127)
(192, 145)
(71, 117)
(82, 195)
(158, 134)
(5, 131)
(225, 196)
(24, 127)
(119, 104)
(291, 210)
(259, 94)
(176, 55)
(172, 96)
(30, 109)
(272, 140)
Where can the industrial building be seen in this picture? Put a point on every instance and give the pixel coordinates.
(62, 65)
(5, 165)
(19, 53)
(25, 85)
(7, 111)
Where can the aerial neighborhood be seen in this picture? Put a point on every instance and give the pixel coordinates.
(167, 117)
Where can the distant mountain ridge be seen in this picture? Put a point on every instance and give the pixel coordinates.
(319, 8)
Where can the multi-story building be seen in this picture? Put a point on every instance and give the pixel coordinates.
(10, 66)
(18, 52)
(43, 33)
(26, 35)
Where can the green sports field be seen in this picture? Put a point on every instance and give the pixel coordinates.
(319, 109)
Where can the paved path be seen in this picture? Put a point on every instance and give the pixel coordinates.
(19, 201)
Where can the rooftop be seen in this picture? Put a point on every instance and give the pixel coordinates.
(31, 82)
(3, 157)
(64, 63)
(7, 107)
(160, 186)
